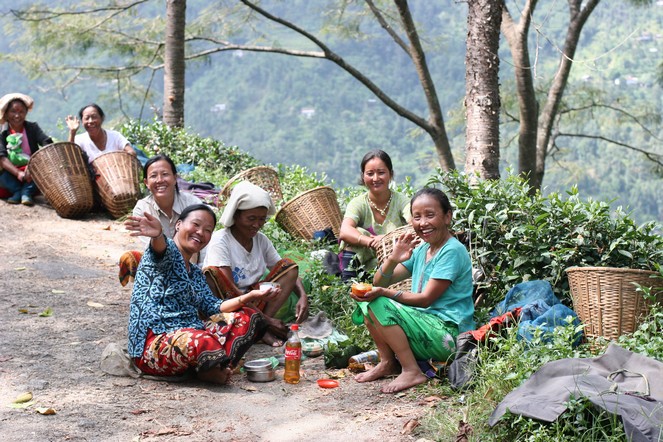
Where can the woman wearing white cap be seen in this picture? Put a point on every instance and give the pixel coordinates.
(239, 255)
(15, 179)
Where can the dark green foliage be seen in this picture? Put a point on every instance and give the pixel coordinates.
(516, 237)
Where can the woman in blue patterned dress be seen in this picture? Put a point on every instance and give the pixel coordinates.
(166, 335)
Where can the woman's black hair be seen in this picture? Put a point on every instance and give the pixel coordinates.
(377, 153)
(20, 100)
(96, 107)
(195, 207)
(161, 157)
(440, 196)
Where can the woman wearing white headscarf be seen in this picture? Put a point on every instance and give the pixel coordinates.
(239, 255)
(15, 178)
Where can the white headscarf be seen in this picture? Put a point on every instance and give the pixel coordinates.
(245, 196)
(5, 100)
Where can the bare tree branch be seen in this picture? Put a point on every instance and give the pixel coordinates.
(41, 15)
(387, 27)
(654, 157)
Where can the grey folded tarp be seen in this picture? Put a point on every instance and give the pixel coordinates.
(622, 382)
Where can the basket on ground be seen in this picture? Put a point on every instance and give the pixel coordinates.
(311, 211)
(117, 181)
(61, 173)
(387, 245)
(264, 177)
(606, 299)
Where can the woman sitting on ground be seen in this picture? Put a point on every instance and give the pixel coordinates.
(96, 140)
(239, 255)
(423, 323)
(371, 215)
(15, 178)
(166, 335)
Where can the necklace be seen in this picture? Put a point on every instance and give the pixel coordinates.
(382, 212)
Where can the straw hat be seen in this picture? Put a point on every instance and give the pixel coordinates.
(4, 102)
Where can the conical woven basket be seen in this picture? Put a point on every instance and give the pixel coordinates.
(311, 211)
(606, 299)
(262, 176)
(117, 181)
(61, 173)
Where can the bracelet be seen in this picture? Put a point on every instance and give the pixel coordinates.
(239, 298)
(386, 275)
(397, 294)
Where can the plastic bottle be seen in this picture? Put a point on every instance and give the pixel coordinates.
(293, 356)
(372, 357)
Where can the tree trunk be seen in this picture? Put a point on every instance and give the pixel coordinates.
(174, 64)
(482, 98)
(548, 115)
(517, 38)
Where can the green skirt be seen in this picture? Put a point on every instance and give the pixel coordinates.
(429, 336)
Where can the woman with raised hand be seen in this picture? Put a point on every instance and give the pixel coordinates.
(422, 323)
(371, 215)
(166, 335)
(15, 178)
(96, 140)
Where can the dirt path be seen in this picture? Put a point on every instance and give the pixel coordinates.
(70, 267)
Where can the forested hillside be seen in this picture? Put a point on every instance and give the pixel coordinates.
(289, 110)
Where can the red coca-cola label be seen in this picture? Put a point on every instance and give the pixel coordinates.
(293, 352)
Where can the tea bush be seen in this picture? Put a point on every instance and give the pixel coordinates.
(517, 237)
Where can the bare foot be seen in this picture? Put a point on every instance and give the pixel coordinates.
(216, 375)
(277, 328)
(404, 381)
(384, 368)
(270, 339)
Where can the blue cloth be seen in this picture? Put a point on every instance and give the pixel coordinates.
(166, 297)
(541, 310)
(452, 262)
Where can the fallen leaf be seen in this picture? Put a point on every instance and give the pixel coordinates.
(137, 412)
(23, 397)
(45, 411)
(58, 292)
(46, 313)
(249, 388)
(94, 304)
(108, 227)
(23, 310)
(19, 269)
(22, 405)
(465, 430)
(409, 426)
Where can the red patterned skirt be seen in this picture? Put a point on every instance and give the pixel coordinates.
(223, 342)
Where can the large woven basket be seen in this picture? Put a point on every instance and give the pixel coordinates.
(117, 181)
(311, 211)
(61, 173)
(606, 300)
(387, 245)
(262, 176)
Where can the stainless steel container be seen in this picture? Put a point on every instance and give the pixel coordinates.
(259, 370)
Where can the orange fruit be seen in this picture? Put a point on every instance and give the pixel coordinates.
(360, 288)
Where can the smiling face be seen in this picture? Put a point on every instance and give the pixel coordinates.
(15, 115)
(376, 175)
(194, 232)
(248, 223)
(429, 220)
(91, 119)
(161, 179)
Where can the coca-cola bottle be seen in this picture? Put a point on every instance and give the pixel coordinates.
(293, 356)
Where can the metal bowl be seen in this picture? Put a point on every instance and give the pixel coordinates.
(259, 370)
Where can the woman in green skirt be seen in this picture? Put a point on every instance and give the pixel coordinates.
(423, 323)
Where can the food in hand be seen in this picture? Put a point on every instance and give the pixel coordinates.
(360, 288)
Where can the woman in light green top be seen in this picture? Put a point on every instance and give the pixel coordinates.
(370, 216)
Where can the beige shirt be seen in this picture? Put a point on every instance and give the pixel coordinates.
(149, 205)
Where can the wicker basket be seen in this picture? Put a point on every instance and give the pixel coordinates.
(387, 245)
(61, 173)
(117, 181)
(606, 299)
(262, 176)
(311, 211)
